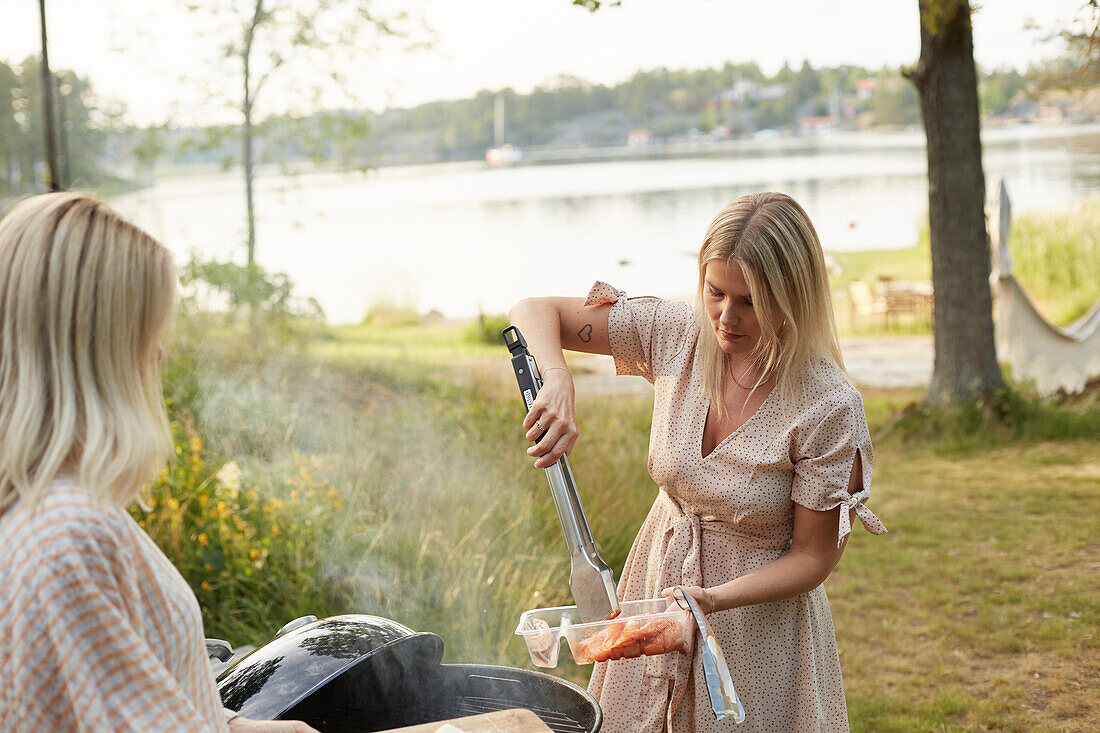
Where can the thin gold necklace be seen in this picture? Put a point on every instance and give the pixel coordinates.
(729, 368)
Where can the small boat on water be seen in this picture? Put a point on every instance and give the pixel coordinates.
(501, 153)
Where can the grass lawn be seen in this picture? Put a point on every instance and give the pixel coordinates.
(980, 610)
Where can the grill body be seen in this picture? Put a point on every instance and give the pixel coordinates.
(365, 674)
(357, 702)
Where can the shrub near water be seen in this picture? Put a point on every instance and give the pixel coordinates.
(486, 328)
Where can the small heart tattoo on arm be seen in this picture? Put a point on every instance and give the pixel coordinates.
(585, 334)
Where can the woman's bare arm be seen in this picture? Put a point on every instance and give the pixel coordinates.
(552, 324)
(549, 325)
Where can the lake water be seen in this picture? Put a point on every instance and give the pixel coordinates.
(464, 238)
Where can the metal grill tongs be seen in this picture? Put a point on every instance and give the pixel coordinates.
(590, 579)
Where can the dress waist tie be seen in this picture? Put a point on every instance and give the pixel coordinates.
(682, 564)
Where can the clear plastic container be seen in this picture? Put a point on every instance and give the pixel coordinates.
(652, 626)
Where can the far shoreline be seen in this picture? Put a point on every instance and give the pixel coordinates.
(764, 141)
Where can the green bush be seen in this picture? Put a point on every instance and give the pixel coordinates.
(486, 328)
(1013, 413)
(228, 295)
(252, 559)
(390, 315)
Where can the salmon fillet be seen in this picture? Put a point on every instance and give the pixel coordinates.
(633, 637)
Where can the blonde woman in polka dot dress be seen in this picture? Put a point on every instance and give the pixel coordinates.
(761, 451)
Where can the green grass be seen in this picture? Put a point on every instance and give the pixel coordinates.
(977, 611)
(912, 263)
(403, 484)
(442, 350)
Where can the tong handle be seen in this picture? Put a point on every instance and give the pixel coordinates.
(590, 579)
(570, 512)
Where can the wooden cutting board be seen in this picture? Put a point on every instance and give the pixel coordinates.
(501, 721)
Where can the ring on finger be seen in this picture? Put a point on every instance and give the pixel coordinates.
(538, 425)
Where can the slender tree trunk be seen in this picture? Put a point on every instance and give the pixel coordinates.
(56, 183)
(63, 137)
(966, 359)
(249, 174)
(246, 137)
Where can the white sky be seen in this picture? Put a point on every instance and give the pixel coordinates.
(489, 44)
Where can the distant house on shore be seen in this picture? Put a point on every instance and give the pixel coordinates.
(1049, 115)
(639, 139)
(744, 91)
(865, 88)
(816, 124)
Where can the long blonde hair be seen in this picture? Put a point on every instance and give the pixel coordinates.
(770, 237)
(84, 295)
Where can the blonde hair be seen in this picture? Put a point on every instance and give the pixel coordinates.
(84, 295)
(772, 240)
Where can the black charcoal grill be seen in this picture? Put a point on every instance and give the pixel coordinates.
(366, 673)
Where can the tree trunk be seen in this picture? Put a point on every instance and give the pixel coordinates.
(249, 168)
(246, 137)
(56, 184)
(63, 138)
(966, 360)
(249, 174)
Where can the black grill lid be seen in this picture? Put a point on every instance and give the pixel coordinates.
(283, 672)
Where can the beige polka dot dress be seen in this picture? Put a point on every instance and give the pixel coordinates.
(721, 516)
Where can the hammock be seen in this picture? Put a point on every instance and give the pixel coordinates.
(1055, 359)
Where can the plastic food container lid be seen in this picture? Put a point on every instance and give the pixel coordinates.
(651, 626)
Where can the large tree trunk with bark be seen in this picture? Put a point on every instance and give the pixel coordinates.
(966, 358)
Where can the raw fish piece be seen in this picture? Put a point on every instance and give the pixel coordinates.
(633, 637)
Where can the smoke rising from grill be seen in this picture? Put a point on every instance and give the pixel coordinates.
(436, 519)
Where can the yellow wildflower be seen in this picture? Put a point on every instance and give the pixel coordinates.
(173, 503)
(253, 553)
(203, 539)
(207, 586)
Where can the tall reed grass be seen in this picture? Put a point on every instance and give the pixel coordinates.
(392, 493)
(1056, 256)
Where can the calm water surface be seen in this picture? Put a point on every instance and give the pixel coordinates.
(460, 238)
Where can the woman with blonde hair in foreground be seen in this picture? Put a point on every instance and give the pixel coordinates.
(99, 631)
(761, 452)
